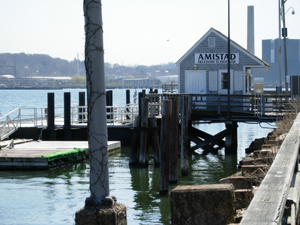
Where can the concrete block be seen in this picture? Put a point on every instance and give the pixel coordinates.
(202, 204)
(115, 215)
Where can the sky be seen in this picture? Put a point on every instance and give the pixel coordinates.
(136, 32)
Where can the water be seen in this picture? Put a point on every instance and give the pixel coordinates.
(53, 197)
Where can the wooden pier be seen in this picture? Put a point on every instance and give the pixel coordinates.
(44, 154)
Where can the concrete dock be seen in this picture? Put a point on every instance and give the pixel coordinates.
(28, 154)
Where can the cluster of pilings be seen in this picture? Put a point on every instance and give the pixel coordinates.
(165, 143)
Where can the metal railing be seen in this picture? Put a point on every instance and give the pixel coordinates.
(37, 117)
(258, 105)
(9, 123)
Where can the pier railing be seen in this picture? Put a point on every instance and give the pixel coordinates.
(255, 104)
(277, 199)
(9, 123)
(37, 117)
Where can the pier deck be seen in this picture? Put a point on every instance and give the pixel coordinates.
(46, 154)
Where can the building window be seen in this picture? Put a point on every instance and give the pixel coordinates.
(211, 42)
(224, 80)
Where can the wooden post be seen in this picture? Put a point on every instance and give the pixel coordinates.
(155, 140)
(50, 111)
(127, 103)
(81, 103)
(173, 175)
(231, 137)
(127, 97)
(109, 102)
(143, 155)
(185, 144)
(134, 153)
(67, 109)
(165, 147)
(67, 134)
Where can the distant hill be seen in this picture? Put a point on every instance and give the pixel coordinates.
(38, 65)
(29, 65)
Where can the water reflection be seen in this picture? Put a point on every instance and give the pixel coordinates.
(53, 197)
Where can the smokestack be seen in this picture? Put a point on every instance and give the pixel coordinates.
(250, 29)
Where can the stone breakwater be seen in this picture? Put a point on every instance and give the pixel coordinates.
(253, 169)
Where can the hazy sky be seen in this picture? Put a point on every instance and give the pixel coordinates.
(144, 32)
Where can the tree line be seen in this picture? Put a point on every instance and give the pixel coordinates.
(23, 65)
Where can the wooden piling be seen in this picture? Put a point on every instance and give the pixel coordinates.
(185, 144)
(173, 173)
(135, 142)
(67, 134)
(231, 137)
(165, 147)
(109, 102)
(67, 109)
(50, 110)
(155, 140)
(81, 103)
(143, 154)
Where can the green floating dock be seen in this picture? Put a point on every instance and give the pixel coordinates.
(41, 155)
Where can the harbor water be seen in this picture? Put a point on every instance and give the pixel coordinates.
(53, 197)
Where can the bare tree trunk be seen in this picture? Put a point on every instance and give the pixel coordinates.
(96, 94)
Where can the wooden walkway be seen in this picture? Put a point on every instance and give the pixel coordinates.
(37, 154)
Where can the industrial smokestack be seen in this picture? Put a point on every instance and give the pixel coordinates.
(250, 29)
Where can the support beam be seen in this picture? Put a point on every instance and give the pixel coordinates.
(231, 137)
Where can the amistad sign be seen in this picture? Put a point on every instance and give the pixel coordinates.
(216, 58)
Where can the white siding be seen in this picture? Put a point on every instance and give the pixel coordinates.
(195, 81)
(213, 80)
(238, 81)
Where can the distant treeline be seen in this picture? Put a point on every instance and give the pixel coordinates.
(30, 65)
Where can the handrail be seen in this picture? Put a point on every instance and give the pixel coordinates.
(6, 121)
(269, 202)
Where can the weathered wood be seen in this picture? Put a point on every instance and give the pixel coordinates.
(173, 173)
(143, 153)
(155, 140)
(269, 201)
(50, 111)
(231, 137)
(81, 102)
(165, 147)
(67, 109)
(135, 141)
(185, 144)
(208, 139)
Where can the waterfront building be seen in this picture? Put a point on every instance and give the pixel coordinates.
(203, 68)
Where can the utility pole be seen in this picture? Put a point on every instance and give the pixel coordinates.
(279, 48)
(100, 207)
(285, 50)
(96, 96)
(228, 65)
